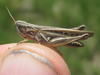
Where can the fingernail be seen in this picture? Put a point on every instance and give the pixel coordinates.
(23, 62)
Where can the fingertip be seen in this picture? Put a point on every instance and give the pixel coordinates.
(46, 52)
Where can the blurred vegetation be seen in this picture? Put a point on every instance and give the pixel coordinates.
(58, 13)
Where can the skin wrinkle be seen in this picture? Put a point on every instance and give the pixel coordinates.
(38, 57)
(25, 64)
(51, 55)
(39, 52)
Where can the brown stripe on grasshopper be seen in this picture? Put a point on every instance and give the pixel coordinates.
(69, 32)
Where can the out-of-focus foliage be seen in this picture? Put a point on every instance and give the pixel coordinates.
(58, 13)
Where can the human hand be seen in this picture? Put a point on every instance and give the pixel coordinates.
(31, 59)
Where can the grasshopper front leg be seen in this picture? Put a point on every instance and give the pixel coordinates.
(23, 41)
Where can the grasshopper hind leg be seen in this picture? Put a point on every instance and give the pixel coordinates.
(82, 27)
(75, 44)
(69, 41)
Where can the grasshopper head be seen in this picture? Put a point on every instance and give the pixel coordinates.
(26, 30)
(21, 27)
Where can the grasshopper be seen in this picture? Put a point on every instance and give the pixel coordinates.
(51, 36)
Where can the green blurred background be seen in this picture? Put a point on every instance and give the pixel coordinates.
(58, 13)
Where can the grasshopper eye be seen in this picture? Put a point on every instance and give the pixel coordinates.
(22, 30)
(17, 23)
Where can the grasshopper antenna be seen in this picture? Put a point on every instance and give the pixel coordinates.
(10, 15)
